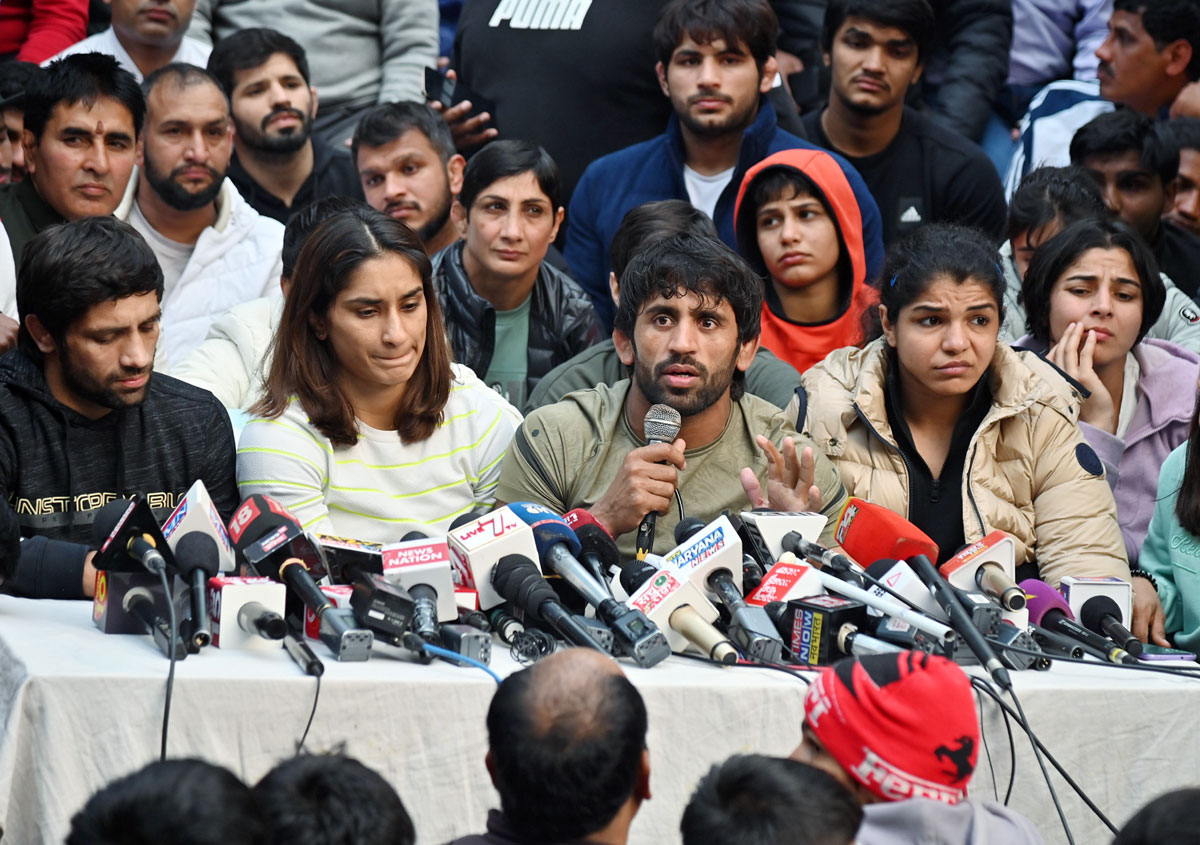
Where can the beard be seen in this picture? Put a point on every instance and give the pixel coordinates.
(710, 387)
(286, 142)
(176, 195)
(437, 219)
(735, 121)
(100, 389)
(863, 109)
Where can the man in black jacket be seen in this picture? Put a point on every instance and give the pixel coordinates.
(83, 420)
(511, 317)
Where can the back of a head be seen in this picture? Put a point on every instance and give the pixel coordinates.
(750, 23)
(82, 77)
(184, 802)
(914, 17)
(503, 159)
(304, 222)
(566, 744)
(1167, 21)
(1059, 195)
(752, 799)
(1128, 130)
(322, 799)
(384, 123)
(652, 221)
(1173, 817)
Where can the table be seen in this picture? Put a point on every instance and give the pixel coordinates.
(81, 708)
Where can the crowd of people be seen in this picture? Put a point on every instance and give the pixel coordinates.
(941, 256)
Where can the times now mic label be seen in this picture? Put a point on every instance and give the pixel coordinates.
(661, 585)
(806, 636)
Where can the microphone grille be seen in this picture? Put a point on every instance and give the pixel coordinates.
(662, 424)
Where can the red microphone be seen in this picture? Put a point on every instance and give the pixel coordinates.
(870, 532)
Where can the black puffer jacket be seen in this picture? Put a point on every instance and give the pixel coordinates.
(969, 61)
(562, 322)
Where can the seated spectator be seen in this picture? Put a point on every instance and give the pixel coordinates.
(83, 420)
(1134, 160)
(715, 63)
(34, 30)
(145, 37)
(277, 165)
(15, 79)
(1049, 200)
(1185, 211)
(799, 227)
(408, 168)
(233, 359)
(1168, 818)
(361, 55)
(767, 377)
(867, 722)
(1091, 294)
(328, 798)
(567, 753)
(936, 417)
(215, 250)
(1151, 54)
(184, 802)
(360, 390)
(5, 154)
(751, 799)
(688, 327)
(917, 171)
(511, 317)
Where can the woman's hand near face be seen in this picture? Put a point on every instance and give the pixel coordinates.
(1073, 355)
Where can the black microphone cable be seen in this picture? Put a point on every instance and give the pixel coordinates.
(1012, 750)
(171, 622)
(311, 714)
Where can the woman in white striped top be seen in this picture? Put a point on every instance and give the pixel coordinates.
(365, 429)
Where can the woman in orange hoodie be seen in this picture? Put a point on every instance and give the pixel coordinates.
(799, 226)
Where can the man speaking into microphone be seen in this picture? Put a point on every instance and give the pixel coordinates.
(687, 324)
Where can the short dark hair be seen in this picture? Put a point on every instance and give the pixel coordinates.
(1172, 817)
(183, 75)
(304, 221)
(70, 267)
(250, 48)
(565, 776)
(1186, 132)
(386, 122)
(501, 159)
(1124, 130)
(751, 799)
(769, 185)
(315, 799)
(749, 22)
(81, 78)
(956, 252)
(187, 802)
(305, 368)
(1167, 21)
(652, 221)
(915, 17)
(1059, 195)
(1055, 256)
(15, 79)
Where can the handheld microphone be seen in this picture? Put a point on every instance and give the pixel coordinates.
(299, 651)
(198, 558)
(1048, 609)
(128, 539)
(421, 565)
(506, 626)
(477, 546)
(870, 532)
(828, 559)
(788, 579)
(270, 538)
(518, 580)
(557, 545)
(988, 565)
(1101, 615)
(196, 512)
(763, 530)
(598, 551)
(898, 577)
(661, 425)
(1060, 645)
(681, 611)
(254, 618)
(945, 596)
(139, 603)
(262, 601)
(1076, 590)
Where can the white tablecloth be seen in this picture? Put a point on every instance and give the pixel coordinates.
(81, 708)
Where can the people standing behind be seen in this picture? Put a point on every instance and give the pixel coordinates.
(917, 171)
(511, 317)
(278, 164)
(408, 168)
(1134, 160)
(567, 753)
(1049, 200)
(936, 417)
(215, 250)
(145, 36)
(715, 62)
(364, 431)
(800, 229)
(1091, 294)
(361, 52)
(15, 80)
(83, 419)
(767, 377)
(32, 30)
(1185, 210)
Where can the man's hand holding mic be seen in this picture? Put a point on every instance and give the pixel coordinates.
(645, 483)
(790, 479)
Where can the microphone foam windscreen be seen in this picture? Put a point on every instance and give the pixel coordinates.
(869, 532)
(686, 527)
(634, 574)
(1095, 608)
(1042, 599)
(517, 579)
(548, 527)
(661, 424)
(197, 550)
(255, 517)
(594, 540)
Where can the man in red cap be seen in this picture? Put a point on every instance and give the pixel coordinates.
(901, 732)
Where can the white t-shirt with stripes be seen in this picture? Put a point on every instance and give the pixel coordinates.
(380, 488)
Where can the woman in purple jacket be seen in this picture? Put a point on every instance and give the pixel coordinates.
(1090, 294)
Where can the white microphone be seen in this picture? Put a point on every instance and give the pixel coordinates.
(476, 547)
